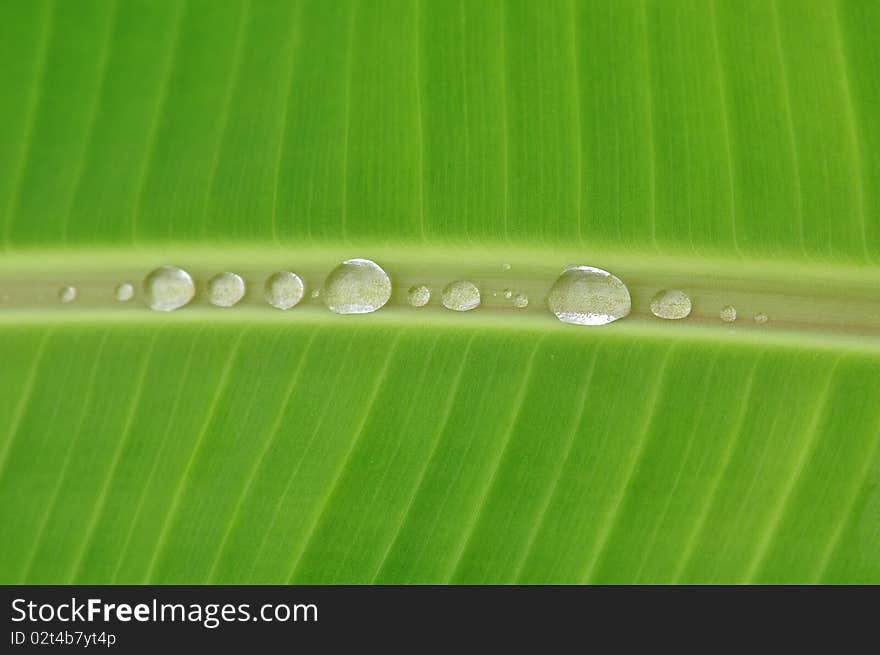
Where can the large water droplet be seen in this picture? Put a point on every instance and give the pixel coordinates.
(356, 286)
(67, 294)
(461, 296)
(284, 289)
(225, 289)
(419, 296)
(168, 288)
(671, 304)
(728, 314)
(585, 295)
(124, 292)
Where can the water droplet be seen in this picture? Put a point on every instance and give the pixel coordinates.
(168, 288)
(356, 286)
(419, 296)
(521, 301)
(585, 295)
(316, 293)
(761, 317)
(671, 304)
(67, 294)
(225, 289)
(461, 296)
(124, 292)
(728, 314)
(284, 289)
(508, 293)
(506, 267)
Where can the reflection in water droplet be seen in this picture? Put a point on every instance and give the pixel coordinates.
(67, 294)
(168, 288)
(508, 293)
(728, 314)
(671, 304)
(761, 317)
(124, 292)
(284, 289)
(521, 301)
(225, 289)
(419, 296)
(585, 295)
(461, 296)
(356, 286)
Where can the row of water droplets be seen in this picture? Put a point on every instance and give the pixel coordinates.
(581, 295)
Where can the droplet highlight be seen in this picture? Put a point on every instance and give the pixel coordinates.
(461, 296)
(419, 296)
(357, 286)
(284, 289)
(67, 294)
(124, 292)
(168, 288)
(728, 314)
(225, 289)
(671, 304)
(585, 295)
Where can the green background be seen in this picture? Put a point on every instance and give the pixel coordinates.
(417, 448)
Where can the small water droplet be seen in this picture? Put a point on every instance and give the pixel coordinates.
(316, 293)
(67, 294)
(419, 296)
(506, 267)
(357, 286)
(508, 293)
(124, 292)
(461, 296)
(225, 289)
(521, 301)
(168, 288)
(585, 295)
(284, 289)
(728, 314)
(671, 304)
(761, 317)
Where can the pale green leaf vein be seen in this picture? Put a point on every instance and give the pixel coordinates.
(610, 522)
(101, 500)
(358, 432)
(504, 441)
(196, 451)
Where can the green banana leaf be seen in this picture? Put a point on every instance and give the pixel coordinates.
(728, 148)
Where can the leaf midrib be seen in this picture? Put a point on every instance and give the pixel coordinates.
(816, 302)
